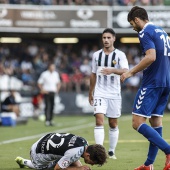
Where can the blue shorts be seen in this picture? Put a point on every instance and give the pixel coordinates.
(151, 101)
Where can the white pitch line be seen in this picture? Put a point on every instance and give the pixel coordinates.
(40, 135)
(60, 130)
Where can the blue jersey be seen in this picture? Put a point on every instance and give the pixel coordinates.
(158, 73)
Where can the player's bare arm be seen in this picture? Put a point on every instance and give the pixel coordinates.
(149, 58)
(107, 71)
(58, 87)
(92, 85)
(77, 163)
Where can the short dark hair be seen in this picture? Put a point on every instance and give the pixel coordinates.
(97, 154)
(109, 30)
(138, 12)
(50, 63)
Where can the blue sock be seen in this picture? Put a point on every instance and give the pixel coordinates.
(154, 137)
(153, 150)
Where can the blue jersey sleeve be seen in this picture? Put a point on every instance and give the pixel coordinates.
(146, 41)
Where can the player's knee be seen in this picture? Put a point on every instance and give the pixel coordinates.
(113, 125)
(134, 125)
(99, 122)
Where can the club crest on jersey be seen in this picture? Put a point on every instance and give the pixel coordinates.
(114, 62)
(65, 163)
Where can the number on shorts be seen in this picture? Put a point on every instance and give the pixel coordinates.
(97, 102)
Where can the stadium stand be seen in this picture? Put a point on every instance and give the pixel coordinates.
(25, 61)
(87, 2)
(28, 60)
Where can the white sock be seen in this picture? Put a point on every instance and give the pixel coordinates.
(113, 138)
(28, 163)
(99, 134)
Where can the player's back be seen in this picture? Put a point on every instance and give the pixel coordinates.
(59, 143)
(157, 74)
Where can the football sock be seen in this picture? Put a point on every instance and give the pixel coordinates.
(153, 150)
(154, 137)
(28, 163)
(99, 134)
(113, 138)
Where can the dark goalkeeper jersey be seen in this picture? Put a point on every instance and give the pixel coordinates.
(59, 143)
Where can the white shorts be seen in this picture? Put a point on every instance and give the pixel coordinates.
(110, 107)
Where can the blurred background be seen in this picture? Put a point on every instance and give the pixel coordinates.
(67, 32)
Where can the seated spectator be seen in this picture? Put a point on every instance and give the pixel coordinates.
(66, 82)
(27, 77)
(85, 67)
(38, 104)
(65, 71)
(26, 64)
(10, 104)
(157, 2)
(133, 83)
(145, 2)
(77, 79)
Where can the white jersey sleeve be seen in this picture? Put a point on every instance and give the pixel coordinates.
(70, 156)
(123, 60)
(41, 78)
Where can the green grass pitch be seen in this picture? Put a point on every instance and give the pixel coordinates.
(131, 149)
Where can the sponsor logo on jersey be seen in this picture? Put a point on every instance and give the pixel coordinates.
(141, 36)
(72, 141)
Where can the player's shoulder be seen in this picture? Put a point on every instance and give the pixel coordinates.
(119, 52)
(97, 52)
(44, 73)
(81, 141)
(150, 28)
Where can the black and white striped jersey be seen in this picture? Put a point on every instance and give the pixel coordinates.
(59, 143)
(108, 86)
(62, 148)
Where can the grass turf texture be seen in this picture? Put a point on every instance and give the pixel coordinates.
(131, 149)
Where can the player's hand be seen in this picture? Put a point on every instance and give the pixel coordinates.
(125, 75)
(107, 71)
(44, 92)
(85, 167)
(91, 99)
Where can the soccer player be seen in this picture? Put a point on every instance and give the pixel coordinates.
(63, 151)
(105, 91)
(152, 96)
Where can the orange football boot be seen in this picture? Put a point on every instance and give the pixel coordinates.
(143, 167)
(167, 163)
